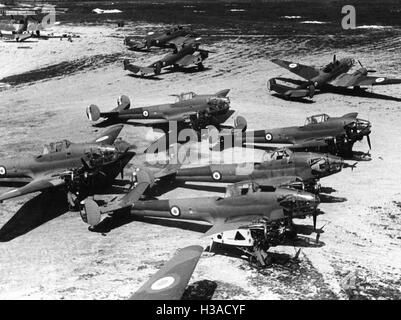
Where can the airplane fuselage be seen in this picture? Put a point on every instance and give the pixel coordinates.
(176, 111)
(332, 71)
(290, 135)
(305, 165)
(214, 209)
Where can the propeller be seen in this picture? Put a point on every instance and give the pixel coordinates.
(314, 215)
(318, 233)
(360, 63)
(334, 58)
(369, 143)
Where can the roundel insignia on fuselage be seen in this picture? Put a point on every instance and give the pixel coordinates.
(163, 283)
(145, 113)
(216, 175)
(378, 80)
(175, 211)
(3, 171)
(293, 65)
(269, 136)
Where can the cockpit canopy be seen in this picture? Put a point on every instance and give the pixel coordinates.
(331, 66)
(280, 154)
(185, 96)
(318, 118)
(239, 189)
(54, 147)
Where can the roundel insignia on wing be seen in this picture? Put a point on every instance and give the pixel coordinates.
(2, 171)
(268, 136)
(163, 283)
(216, 175)
(293, 65)
(145, 113)
(378, 80)
(175, 211)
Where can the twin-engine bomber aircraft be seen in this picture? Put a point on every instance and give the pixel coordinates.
(280, 168)
(189, 54)
(321, 133)
(335, 74)
(73, 165)
(196, 110)
(165, 39)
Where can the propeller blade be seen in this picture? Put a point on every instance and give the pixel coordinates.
(122, 174)
(314, 219)
(334, 58)
(369, 143)
(297, 254)
(360, 63)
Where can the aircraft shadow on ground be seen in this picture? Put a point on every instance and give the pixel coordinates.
(328, 190)
(200, 290)
(274, 258)
(324, 198)
(168, 71)
(37, 211)
(360, 156)
(358, 93)
(301, 100)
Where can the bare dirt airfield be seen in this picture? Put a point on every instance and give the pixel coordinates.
(47, 253)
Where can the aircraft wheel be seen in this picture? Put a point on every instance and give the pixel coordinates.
(73, 202)
(157, 68)
(201, 67)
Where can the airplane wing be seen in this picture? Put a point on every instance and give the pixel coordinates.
(179, 41)
(349, 80)
(19, 37)
(313, 142)
(278, 181)
(231, 224)
(34, 186)
(170, 281)
(189, 59)
(306, 72)
(109, 136)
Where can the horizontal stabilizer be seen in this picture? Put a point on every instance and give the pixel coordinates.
(138, 70)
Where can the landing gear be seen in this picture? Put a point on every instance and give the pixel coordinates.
(200, 66)
(73, 201)
(157, 68)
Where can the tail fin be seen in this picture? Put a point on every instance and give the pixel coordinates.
(271, 84)
(240, 123)
(93, 112)
(110, 135)
(123, 103)
(90, 212)
(222, 93)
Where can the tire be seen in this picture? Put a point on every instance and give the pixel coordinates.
(201, 67)
(157, 68)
